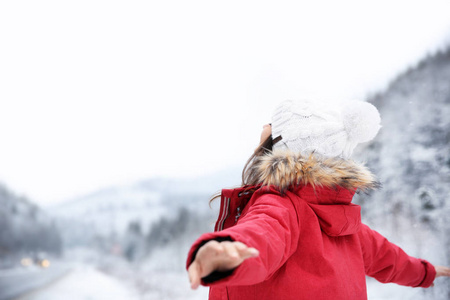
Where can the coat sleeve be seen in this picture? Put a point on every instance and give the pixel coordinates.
(387, 262)
(271, 226)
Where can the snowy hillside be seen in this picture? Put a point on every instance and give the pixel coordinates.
(411, 157)
(111, 213)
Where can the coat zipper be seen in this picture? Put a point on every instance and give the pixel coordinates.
(237, 215)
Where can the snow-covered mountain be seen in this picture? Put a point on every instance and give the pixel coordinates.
(411, 157)
(109, 212)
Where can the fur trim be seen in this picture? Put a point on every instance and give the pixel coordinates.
(286, 169)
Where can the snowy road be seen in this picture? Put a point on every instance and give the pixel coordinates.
(83, 282)
(15, 282)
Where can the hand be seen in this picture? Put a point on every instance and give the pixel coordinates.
(441, 271)
(215, 256)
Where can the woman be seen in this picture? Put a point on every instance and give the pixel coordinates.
(291, 231)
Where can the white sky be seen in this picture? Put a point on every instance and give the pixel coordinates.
(95, 93)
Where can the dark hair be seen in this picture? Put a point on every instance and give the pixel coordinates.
(249, 172)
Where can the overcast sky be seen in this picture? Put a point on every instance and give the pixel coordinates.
(96, 93)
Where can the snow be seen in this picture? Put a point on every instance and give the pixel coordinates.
(420, 153)
(168, 286)
(391, 291)
(111, 210)
(84, 282)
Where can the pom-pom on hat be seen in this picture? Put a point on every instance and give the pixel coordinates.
(329, 129)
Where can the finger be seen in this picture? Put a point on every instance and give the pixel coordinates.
(210, 249)
(250, 252)
(231, 250)
(194, 275)
(240, 246)
(238, 252)
(245, 251)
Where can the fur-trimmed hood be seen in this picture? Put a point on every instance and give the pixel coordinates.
(327, 185)
(286, 170)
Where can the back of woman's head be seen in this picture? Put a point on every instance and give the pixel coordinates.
(321, 128)
(330, 129)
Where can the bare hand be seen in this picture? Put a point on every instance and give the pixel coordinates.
(218, 256)
(441, 271)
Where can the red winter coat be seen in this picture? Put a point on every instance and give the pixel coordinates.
(311, 241)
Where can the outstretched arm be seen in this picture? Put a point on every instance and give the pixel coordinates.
(250, 251)
(387, 262)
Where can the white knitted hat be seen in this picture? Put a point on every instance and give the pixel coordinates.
(329, 129)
